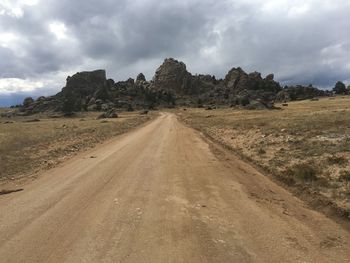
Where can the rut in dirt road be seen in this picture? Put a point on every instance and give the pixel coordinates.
(158, 194)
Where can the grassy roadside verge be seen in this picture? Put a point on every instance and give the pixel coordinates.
(31, 144)
(305, 146)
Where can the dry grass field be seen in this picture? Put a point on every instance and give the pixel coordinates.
(28, 145)
(305, 144)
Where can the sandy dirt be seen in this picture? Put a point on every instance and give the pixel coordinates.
(159, 194)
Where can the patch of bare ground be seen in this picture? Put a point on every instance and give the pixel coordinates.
(34, 143)
(305, 145)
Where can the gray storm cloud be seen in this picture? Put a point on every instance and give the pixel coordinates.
(300, 41)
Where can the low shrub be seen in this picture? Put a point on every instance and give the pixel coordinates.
(344, 175)
(304, 172)
(261, 151)
(339, 160)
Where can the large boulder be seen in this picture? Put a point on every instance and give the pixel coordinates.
(140, 78)
(111, 113)
(236, 78)
(172, 76)
(87, 82)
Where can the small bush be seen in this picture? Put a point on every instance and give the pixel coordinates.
(339, 160)
(261, 151)
(344, 176)
(303, 172)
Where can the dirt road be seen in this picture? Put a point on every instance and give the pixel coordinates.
(158, 194)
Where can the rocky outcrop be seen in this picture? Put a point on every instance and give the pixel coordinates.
(270, 77)
(299, 93)
(172, 85)
(88, 84)
(87, 80)
(172, 76)
(237, 80)
(140, 78)
(250, 90)
(201, 84)
(86, 90)
(83, 91)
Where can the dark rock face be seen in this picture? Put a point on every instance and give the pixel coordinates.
(83, 87)
(140, 78)
(201, 84)
(172, 76)
(87, 82)
(238, 80)
(250, 90)
(87, 78)
(270, 77)
(233, 77)
(299, 93)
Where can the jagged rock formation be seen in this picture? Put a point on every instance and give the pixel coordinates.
(299, 93)
(173, 77)
(172, 85)
(237, 89)
(140, 78)
(237, 80)
(87, 88)
(87, 82)
(250, 90)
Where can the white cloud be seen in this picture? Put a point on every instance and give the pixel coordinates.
(13, 85)
(7, 39)
(15, 8)
(298, 10)
(58, 29)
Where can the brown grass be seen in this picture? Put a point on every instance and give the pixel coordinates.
(306, 143)
(28, 146)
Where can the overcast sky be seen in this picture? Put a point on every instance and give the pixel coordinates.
(43, 41)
